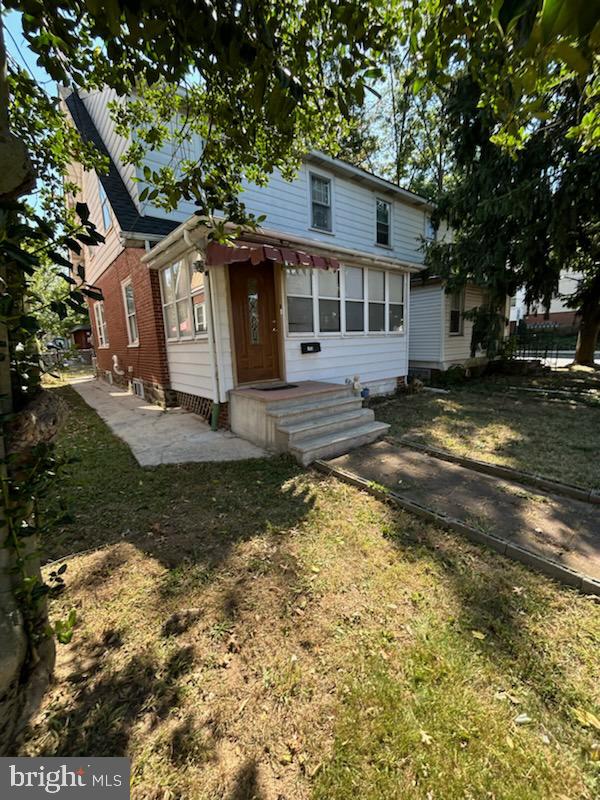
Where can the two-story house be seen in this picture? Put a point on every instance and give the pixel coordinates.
(277, 334)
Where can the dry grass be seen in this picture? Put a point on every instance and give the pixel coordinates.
(252, 631)
(490, 421)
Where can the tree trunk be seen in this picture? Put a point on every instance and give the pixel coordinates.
(587, 338)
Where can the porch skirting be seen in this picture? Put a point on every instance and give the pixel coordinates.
(203, 406)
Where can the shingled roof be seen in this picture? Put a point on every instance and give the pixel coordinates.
(128, 217)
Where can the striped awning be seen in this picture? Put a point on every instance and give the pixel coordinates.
(223, 254)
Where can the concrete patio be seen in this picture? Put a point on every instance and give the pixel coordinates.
(159, 437)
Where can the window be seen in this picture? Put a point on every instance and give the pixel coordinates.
(429, 229)
(105, 208)
(355, 299)
(456, 313)
(376, 300)
(130, 315)
(396, 303)
(351, 301)
(177, 308)
(198, 296)
(320, 201)
(101, 329)
(299, 300)
(383, 223)
(329, 301)
(137, 387)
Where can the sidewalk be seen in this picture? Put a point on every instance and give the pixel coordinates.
(161, 437)
(560, 529)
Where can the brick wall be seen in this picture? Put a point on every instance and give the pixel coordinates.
(147, 361)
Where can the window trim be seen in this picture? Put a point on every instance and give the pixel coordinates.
(101, 326)
(428, 235)
(343, 333)
(461, 311)
(390, 206)
(314, 173)
(186, 265)
(131, 341)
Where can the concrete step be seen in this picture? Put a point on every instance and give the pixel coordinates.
(337, 443)
(310, 428)
(313, 409)
(317, 395)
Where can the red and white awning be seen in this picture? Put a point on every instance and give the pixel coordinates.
(223, 254)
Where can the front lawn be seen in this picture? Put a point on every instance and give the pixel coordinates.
(491, 420)
(255, 631)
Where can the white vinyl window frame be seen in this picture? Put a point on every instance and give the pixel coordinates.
(133, 334)
(101, 327)
(456, 308)
(318, 176)
(380, 202)
(184, 301)
(343, 333)
(107, 221)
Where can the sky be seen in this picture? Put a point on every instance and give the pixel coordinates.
(18, 48)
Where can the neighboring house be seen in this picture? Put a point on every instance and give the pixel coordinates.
(558, 316)
(81, 336)
(318, 298)
(439, 334)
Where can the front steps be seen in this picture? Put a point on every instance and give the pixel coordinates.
(311, 421)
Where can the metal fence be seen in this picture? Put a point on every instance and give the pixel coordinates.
(545, 345)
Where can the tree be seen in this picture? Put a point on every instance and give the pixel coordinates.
(525, 201)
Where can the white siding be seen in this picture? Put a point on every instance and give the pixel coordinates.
(96, 103)
(457, 349)
(373, 358)
(425, 330)
(287, 209)
(98, 259)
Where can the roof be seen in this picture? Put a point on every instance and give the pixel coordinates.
(128, 217)
(364, 176)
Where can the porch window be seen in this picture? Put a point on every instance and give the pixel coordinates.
(376, 301)
(396, 303)
(320, 197)
(329, 301)
(383, 222)
(456, 313)
(299, 300)
(198, 296)
(177, 305)
(101, 328)
(355, 302)
(130, 314)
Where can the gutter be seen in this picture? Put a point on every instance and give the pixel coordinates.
(265, 235)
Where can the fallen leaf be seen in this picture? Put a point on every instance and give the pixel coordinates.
(586, 718)
(523, 719)
(478, 635)
(426, 738)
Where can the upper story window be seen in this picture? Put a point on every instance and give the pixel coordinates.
(320, 202)
(101, 329)
(351, 301)
(105, 207)
(184, 302)
(130, 313)
(384, 223)
(430, 232)
(456, 313)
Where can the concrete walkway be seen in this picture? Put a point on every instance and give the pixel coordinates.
(161, 437)
(560, 529)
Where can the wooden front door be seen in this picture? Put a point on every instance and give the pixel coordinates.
(255, 322)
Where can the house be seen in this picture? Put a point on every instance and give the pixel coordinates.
(276, 335)
(558, 317)
(439, 333)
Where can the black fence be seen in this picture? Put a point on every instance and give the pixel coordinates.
(539, 344)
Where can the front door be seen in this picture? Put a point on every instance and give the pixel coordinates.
(255, 322)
